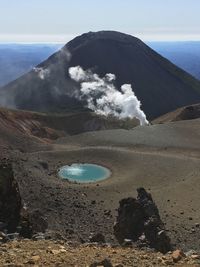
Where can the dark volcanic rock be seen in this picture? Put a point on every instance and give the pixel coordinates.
(139, 220)
(15, 218)
(159, 85)
(104, 263)
(99, 238)
(130, 216)
(10, 200)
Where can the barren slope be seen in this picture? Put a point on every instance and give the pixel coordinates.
(20, 127)
(163, 158)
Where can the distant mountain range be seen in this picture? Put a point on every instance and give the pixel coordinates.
(186, 55)
(18, 59)
(158, 84)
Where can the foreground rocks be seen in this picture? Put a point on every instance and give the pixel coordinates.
(139, 221)
(104, 263)
(177, 255)
(23, 253)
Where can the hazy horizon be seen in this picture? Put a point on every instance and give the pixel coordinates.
(50, 21)
(65, 39)
(64, 42)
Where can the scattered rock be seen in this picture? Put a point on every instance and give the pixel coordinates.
(54, 235)
(195, 257)
(13, 265)
(128, 243)
(35, 258)
(3, 237)
(177, 255)
(99, 238)
(63, 250)
(38, 236)
(167, 262)
(13, 235)
(104, 263)
(55, 251)
(190, 252)
(107, 212)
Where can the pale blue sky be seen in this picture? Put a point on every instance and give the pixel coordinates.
(61, 20)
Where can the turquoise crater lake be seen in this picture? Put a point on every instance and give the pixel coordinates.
(84, 172)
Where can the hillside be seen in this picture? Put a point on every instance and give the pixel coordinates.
(19, 127)
(158, 84)
(185, 113)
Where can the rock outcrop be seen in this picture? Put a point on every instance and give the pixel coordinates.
(10, 200)
(15, 218)
(139, 220)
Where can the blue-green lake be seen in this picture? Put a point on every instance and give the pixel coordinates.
(84, 172)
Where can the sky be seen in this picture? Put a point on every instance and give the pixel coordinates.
(40, 21)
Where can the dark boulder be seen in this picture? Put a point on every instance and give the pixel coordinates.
(139, 220)
(97, 238)
(104, 263)
(15, 217)
(10, 200)
(130, 214)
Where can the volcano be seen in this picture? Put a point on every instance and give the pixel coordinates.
(158, 84)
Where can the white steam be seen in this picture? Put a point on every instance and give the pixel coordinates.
(42, 73)
(103, 98)
(74, 169)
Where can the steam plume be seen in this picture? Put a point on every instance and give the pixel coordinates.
(42, 73)
(103, 98)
